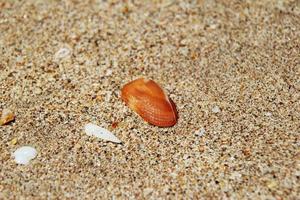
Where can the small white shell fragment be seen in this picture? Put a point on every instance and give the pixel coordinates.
(200, 132)
(109, 72)
(94, 130)
(268, 114)
(108, 96)
(62, 53)
(24, 154)
(215, 109)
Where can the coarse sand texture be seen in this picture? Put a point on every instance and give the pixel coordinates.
(231, 68)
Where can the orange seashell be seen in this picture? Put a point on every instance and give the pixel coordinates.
(149, 100)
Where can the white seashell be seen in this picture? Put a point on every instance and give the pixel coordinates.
(62, 53)
(94, 130)
(24, 154)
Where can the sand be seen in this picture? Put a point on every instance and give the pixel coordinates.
(63, 63)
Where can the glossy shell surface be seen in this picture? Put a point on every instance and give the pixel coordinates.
(150, 101)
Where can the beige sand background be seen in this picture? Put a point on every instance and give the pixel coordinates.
(242, 56)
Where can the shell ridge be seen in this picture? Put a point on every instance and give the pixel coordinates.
(149, 100)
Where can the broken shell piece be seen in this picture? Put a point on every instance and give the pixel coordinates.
(150, 101)
(62, 53)
(24, 154)
(6, 117)
(94, 130)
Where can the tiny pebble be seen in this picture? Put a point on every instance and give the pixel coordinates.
(97, 131)
(14, 141)
(200, 132)
(108, 96)
(77, 146)
(271, 184)
(38, 91)
(24, 154)
(109, 72)
(147, 191)
(215, 109)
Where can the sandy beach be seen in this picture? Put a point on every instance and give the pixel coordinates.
(231, 67)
